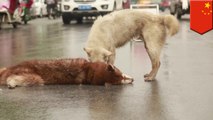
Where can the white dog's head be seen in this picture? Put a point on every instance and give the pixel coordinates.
(98, 54)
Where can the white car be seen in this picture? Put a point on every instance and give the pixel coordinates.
(38, 8)
(77, 9)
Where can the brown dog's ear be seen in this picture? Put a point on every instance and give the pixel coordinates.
(111, 68)
(88, 50)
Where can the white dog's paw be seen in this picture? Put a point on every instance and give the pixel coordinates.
(146, 75)
(149, 79)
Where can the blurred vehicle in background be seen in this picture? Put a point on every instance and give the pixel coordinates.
(24, 10)
(144, 2)
(38, 8)
(126, 4)
(164, 4)
(77, 9)
(8, 12)
(179, 7)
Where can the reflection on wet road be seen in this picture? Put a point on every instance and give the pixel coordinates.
(182, 90)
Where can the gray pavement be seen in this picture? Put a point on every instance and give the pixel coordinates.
(182, 91)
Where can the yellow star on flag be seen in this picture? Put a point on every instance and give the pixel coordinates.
(207, 5)
(205, 11)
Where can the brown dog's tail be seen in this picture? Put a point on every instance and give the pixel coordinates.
(2, 70)
(171, 24)
(1, 73)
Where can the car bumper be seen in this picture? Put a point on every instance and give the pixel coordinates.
(78, 14)
(96, 7)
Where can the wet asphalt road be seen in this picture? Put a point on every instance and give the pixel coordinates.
(182, 91)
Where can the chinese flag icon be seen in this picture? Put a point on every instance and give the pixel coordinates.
(201, 16)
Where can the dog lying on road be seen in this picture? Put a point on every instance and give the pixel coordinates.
(116, 29)
(62, 71)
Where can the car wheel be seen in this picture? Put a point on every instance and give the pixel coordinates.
(65, 18)
(179, 13)
(25, 22)
(115, 6)
(14, 25)
(79, 20)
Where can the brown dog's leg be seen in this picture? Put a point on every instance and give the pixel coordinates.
(24, 80)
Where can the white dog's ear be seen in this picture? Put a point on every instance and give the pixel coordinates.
(106, 52)
(88, 50)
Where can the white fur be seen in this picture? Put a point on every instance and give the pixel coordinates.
(116, 29)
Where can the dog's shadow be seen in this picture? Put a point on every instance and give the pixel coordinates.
(155, 107)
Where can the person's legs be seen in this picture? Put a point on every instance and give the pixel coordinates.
(53, 11)
(48, 10)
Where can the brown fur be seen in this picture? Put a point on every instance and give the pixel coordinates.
(61, 71)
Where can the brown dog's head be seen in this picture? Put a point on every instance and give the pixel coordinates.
(100, 73)
(98, 54)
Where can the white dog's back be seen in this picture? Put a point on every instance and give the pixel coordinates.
(121, 26)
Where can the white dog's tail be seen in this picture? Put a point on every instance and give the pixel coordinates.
(172, 24)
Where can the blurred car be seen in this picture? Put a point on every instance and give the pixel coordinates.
(38, 8)
(144, 2)
(179, 8)
(164, 4)
(77, 9)
(126, 4)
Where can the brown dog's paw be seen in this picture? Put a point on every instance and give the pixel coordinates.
(11, 84)
(11, 87)
(128, 81)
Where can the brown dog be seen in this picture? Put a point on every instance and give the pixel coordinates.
(62, 71)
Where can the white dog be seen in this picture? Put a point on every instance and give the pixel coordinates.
(116, 29)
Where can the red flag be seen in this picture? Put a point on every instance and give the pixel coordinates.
(201, 15)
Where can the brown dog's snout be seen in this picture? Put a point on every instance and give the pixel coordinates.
(128, 79)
